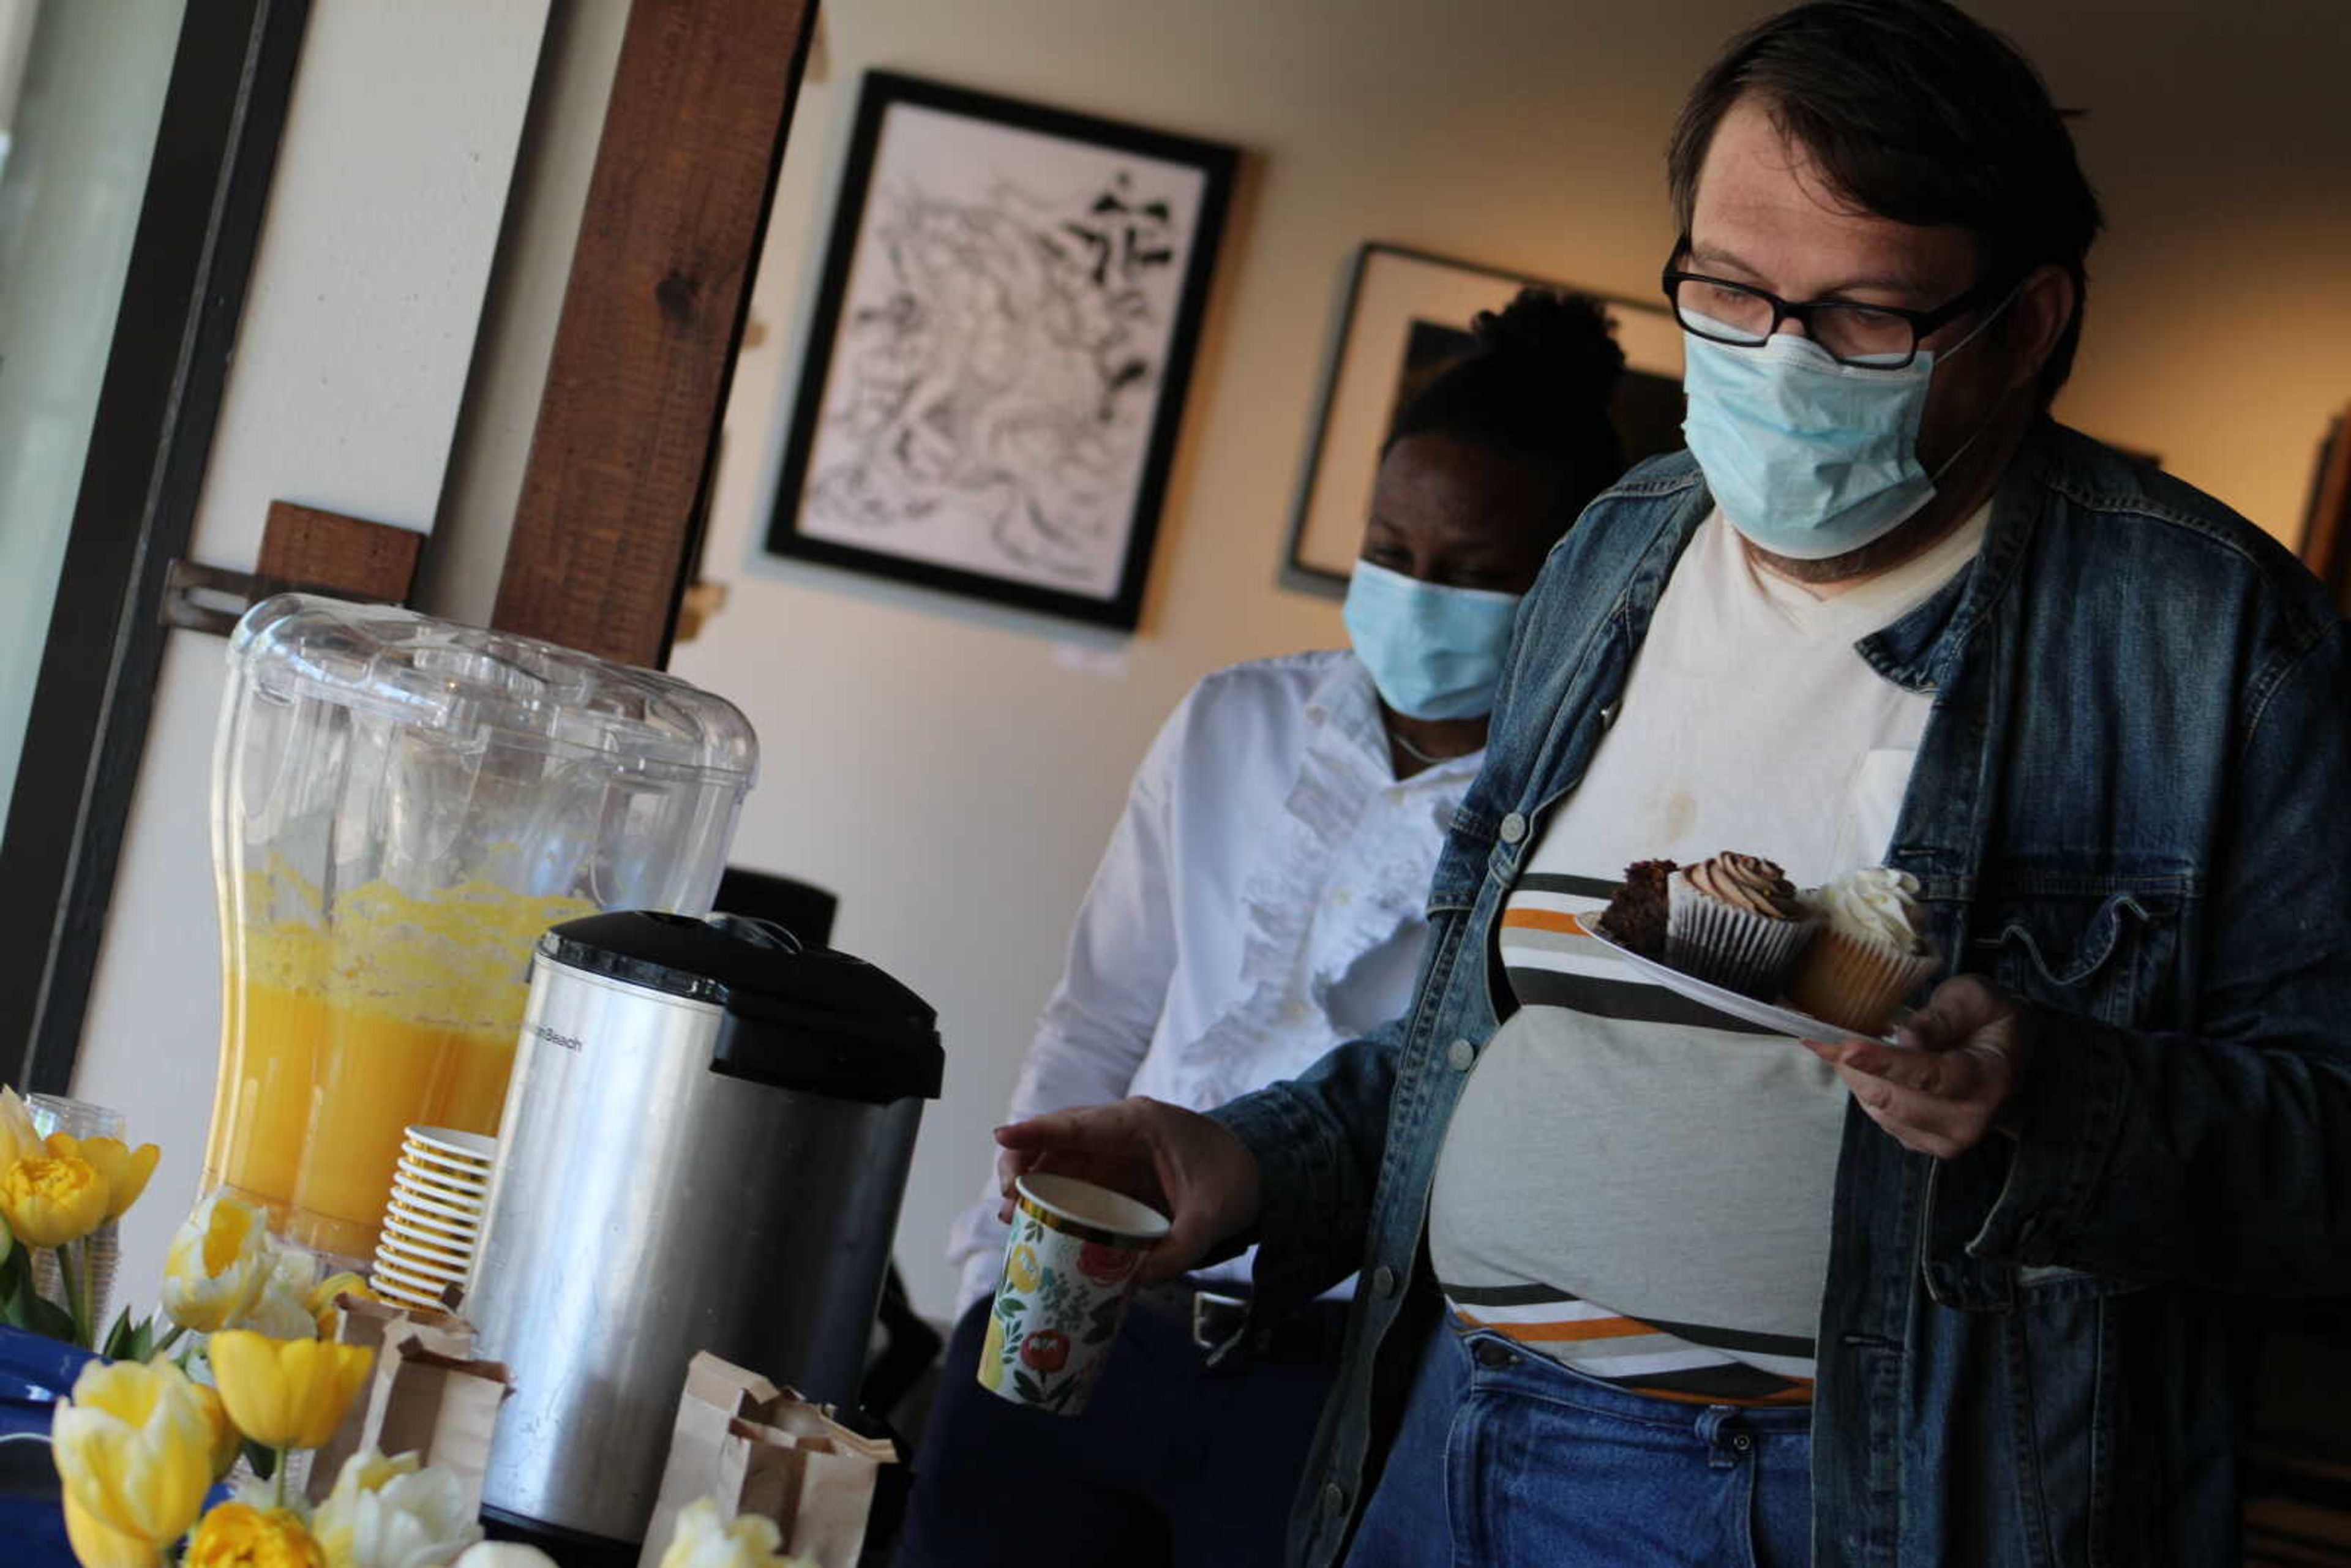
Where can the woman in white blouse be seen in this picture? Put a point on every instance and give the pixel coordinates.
(1259, 902)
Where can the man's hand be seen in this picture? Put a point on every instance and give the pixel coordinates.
(1970, 1045)
(1190, 1168)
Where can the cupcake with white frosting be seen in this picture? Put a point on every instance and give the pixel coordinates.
(1735, 921)
(1870, 952)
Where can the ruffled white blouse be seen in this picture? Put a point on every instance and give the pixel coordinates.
(1260, 901)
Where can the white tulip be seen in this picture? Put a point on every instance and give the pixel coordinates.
(388, 1513)
(707, 1539)
(504, 1555)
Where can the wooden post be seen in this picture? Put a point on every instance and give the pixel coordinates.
(652, 317)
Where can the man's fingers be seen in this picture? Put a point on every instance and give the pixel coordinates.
(1944, 1074)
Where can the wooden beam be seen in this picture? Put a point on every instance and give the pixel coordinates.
(652, 317)
(346, 555)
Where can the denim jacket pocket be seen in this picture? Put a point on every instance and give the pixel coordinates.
(2098, 953)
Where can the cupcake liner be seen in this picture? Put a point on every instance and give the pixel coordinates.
(1854, 982)
(1710, 941)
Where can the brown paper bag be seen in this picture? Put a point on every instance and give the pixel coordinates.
(443, 1408)
(716, 1392)
(830, 1490)
(370, 1323)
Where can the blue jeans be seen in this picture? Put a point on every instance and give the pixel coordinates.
(1507, 1457)
(1173, 1461)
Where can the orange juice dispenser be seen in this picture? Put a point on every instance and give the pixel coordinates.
(401, 806)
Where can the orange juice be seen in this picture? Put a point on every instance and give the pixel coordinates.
(340, 1034)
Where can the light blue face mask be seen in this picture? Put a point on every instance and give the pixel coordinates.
(1809, 458)
(1434, 652)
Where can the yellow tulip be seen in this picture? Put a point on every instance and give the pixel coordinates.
(228, 1441)
(705, 1539)
(218, 1264)
(98, 1546)
(288, 1393)
(239, 1535)
(18, 1138)
(53, 1200)
(323, 1297)
(125, 1170)
(134, 1448)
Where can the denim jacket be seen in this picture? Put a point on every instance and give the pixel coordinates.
(2131, 808)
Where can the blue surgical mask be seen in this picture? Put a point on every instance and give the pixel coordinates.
(1809, 458)
(1434, 652)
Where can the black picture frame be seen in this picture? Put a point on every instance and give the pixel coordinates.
(191, 255)
(1114, 596)
(1392, 297)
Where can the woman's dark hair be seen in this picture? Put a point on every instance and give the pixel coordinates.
(1535, 387)
(1918, 112)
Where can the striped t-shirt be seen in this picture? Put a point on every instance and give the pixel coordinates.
(1633, 1184)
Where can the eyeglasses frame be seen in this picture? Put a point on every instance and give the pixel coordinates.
(1921, 322)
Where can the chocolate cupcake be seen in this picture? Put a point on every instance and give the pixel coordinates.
(1735, 921)
(1636, 917)
(1869, 954)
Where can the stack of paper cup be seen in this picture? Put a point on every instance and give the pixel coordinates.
(440, 1191)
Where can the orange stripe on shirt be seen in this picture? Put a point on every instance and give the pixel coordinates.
(1800, 1393)
(1544, 920)
(1554, 1333)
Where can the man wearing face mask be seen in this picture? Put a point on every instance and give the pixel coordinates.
(1259, 902)
(1642, 1288)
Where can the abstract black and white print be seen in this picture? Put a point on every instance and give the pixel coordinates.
(1001, 351)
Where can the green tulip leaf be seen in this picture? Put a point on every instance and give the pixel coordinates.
(28, 1308)
(262, 1460)
(116, 1346)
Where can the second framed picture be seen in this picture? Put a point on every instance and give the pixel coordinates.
(1406, 318)
(999, 351)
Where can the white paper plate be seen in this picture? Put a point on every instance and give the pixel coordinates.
(389, 1253)
(429, 1228)
(441, 1179)
(404, 1297)
(464, 1165)
(427, 1250)
(475, 1147)
(415, 1283)
(1746, 1008)
(409, 1214)
(433, 1203)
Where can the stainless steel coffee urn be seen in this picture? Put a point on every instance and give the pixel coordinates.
(705, 1140)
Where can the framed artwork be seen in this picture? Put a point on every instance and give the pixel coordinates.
(999, 354)
(1406, 317)
(2327, 516)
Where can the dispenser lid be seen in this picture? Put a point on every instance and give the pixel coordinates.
(474, 686)
(797, 1016)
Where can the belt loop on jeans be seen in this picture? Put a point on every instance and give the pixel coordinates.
(1216, 1319)
(1724, 1432)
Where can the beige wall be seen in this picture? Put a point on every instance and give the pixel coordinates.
(952, 770)
(385, 213)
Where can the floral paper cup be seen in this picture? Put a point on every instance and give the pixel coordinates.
(1069, 1270)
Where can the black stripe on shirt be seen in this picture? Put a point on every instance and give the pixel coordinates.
(1559, 881)
(1504, 1295)
(1711, 1338)
(1732, 1380)
(1633, 1001)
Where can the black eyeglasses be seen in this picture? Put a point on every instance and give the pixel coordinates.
(1875, 337)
